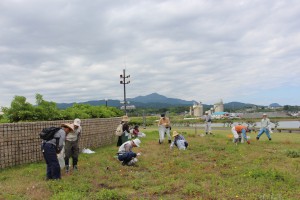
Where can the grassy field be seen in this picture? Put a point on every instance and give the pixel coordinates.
(211, 168)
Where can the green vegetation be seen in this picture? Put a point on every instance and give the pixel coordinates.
(211, 168)
(20, 110)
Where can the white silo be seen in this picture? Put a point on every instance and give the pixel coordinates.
(219, 106)
(198, 109)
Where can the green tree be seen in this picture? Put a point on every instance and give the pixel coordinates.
(19, 110)
(45, 110)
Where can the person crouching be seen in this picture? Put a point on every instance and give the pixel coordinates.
(179, 141)
(125, 153)
(238, 130)
(50, 149)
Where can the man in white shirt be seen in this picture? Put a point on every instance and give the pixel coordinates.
(265, 124)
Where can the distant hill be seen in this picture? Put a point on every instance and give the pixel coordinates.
(275, 105)
(155, 100)
(237, 105)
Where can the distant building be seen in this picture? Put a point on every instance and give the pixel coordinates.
(219, 106)
(129, 107)
(220, 115)
(197, 109)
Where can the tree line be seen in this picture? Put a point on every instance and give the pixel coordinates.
(20, 111)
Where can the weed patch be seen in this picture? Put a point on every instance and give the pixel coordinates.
(293, 153)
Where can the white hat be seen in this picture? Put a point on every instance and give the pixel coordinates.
(77, 122)
(264, 114)
(137, 142)
(206, 112)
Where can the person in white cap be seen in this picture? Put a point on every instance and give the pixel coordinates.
(52, 147)
(72, 145)
(207, 120)
(179, 141)
(265, 124)
(125, 153)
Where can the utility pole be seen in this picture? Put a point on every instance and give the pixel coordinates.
(124, 81)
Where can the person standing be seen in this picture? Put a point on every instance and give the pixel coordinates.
(207, 120)
(72, 145)
(126, 131)
(265, 124)
(164, 126)
(238, 130)
(125, 153)
(52, 147)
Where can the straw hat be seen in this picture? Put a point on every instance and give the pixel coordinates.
(137, 142)
(125, 118)
(68, 125)
(77, 122)
(175, 133)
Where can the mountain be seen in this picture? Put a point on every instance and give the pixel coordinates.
(274, 105)
(237, 105)
(155, 100)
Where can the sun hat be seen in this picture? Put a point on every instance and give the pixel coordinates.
(206, 112)
(175, 133)
(77, 122)
(137, 142)
(264, 114)
(68, 125)
(125, 118)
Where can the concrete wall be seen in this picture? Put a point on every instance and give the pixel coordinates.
(20, 142)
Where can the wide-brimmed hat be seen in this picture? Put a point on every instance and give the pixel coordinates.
(265, 114)
(125, 118)
(137, 142)
(68, 125)
(206, 112)
(175, 133)
(77, 122)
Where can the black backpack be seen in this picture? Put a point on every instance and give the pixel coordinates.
(48, 133)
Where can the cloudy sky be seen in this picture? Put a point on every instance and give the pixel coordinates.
(204, 50)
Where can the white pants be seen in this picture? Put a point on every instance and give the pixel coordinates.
(180, 145)
(236, 135)
(207, 127)
(162, 130)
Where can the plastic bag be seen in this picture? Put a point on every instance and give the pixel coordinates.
(61, 158)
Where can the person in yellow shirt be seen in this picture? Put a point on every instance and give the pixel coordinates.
(164, 126)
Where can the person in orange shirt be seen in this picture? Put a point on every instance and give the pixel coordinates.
(238, 130)
(164, 126)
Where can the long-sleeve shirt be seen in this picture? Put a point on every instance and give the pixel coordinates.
(207, 118)
(125, 147)
(265, 122)
(61, 136)
(74, 136)
(178, 137)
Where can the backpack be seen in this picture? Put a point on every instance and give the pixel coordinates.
(48, 133)
(119, 130)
